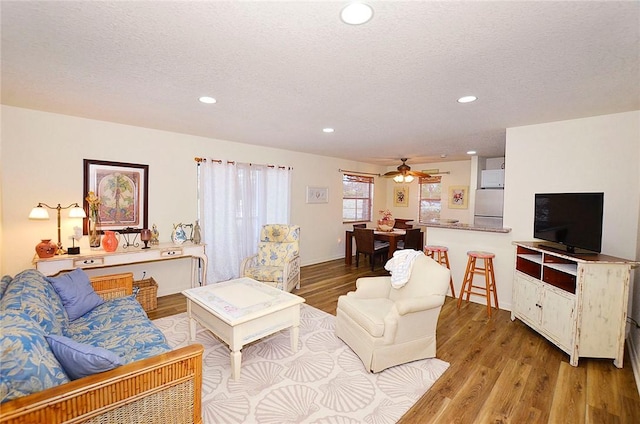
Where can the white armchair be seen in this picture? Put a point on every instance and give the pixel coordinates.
(386, 326)
(277, 262)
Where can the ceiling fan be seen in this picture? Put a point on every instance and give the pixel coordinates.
(404, 174)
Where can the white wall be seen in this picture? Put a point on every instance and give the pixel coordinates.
(41, 161)
(600, 153)
(591, 154)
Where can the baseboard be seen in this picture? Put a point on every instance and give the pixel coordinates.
(634, 353)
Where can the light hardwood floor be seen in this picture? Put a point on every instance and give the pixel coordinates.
(501, 371)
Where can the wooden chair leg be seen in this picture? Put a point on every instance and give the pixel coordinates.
(493, 283)
(487, 278)
(468, 277)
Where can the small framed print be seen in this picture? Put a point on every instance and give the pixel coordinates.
(317, 195)
(401, 196)
(458, 197)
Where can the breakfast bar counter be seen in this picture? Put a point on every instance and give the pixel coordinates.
(462, 238)
(455, 225)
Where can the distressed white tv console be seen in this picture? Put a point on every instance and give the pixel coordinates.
(102, 259)
(578, 302)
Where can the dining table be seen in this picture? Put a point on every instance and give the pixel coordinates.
(390, 236)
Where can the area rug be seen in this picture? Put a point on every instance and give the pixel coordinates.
(323, 383)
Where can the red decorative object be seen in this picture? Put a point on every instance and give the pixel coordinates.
(46, 249)
(110, 241)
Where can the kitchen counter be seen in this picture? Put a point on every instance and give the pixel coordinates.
(455, 225)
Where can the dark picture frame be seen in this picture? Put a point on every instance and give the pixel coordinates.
(123, 189)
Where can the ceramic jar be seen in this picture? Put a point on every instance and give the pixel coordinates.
(46, 249)
(110, 241)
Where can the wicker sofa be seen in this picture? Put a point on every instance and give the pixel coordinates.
(154, 384)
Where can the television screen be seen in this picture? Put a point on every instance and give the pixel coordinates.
(571, 219)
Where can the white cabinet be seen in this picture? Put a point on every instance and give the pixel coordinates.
(546, 309)
(578, 302)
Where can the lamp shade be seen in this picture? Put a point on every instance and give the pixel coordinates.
(77, 212)
(39, 213)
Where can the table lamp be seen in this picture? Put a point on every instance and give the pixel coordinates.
(39, 212)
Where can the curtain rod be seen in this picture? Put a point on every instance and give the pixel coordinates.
(231, 162)
(358, 172)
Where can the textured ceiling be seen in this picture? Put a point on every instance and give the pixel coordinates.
(282, 71)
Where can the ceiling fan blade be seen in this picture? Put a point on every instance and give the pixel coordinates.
(391, 174)
(418, 174)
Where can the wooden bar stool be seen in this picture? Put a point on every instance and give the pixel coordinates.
(442, 258)
(489, 278)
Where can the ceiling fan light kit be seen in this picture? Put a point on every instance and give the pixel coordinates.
(404, 174)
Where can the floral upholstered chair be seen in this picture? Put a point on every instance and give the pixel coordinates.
(277, 262)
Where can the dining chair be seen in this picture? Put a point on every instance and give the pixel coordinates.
(368, 246)
(412, 240)
(363, 225)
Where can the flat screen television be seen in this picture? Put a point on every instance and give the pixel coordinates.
(570, 219)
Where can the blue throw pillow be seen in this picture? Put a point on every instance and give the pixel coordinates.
(76, 292)
(79, 359)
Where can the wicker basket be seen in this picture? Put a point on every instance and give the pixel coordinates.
(147, 293)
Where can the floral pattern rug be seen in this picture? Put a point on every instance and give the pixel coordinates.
(323, 383)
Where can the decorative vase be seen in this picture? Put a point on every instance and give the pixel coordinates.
(178, 236)
(145, 236)
(386, 224)
(110, 241)
(94, 237)
(197, 233)
(46, 249)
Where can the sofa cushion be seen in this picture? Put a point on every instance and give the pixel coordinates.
(27, 364)
(76, 292)
(368, 313)
(79, 359)
(30, 292)
(4, 283)
(121, 326)
(265, 273)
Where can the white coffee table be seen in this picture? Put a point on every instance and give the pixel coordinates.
(241, 311)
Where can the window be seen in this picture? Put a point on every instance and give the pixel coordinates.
(430, 204)
(357, 198)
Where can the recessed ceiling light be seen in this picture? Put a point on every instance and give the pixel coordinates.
(467, 99)
(328, 130)
(356, 13)
(471, 152)
(207, 100)
(443, 156)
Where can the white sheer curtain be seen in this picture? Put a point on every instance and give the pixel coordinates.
(236, 200)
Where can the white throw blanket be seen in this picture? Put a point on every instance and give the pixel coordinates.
(400, 266)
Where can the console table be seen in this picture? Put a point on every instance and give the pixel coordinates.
(578, 302)
(102, 259)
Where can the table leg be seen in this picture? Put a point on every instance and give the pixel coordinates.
(348, 249)
(192, 330)
(294, 338)
(393, 244)
(236, 359)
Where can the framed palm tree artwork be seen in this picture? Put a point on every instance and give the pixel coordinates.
(116, 195)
